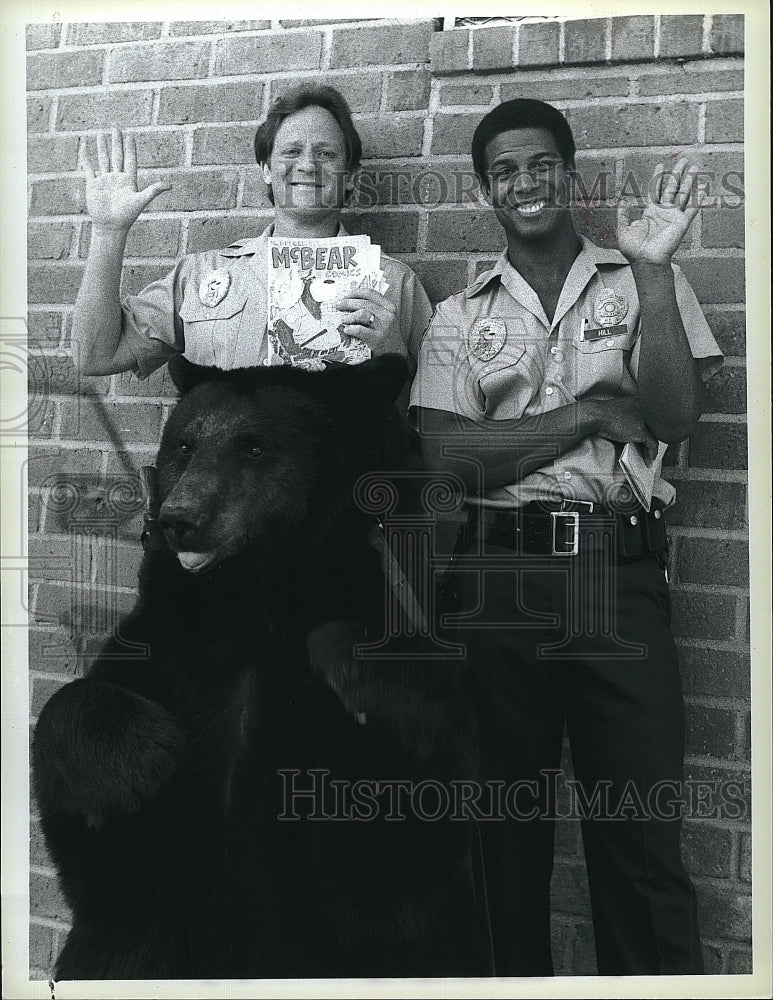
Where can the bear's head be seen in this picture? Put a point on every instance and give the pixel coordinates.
(263, 461)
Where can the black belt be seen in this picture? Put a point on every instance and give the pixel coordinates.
(566, 529)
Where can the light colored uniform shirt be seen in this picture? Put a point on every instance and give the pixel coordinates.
(491, 353)
(167, 317)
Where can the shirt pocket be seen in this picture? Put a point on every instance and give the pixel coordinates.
(505, 384)
(212, 332)
(599, 365)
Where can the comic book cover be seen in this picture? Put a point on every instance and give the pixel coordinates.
(306, 278)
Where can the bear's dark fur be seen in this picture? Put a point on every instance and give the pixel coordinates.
(162, 775)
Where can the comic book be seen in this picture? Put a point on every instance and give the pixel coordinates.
(306, 278)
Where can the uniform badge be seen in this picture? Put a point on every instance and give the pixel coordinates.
(214, 288)
(487, 338)
(610, 309)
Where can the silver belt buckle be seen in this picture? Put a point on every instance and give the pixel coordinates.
(568, 515)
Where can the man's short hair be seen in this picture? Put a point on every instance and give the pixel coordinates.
(298, 98)
(523, 112)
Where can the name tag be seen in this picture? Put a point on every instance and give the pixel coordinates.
(600, 333)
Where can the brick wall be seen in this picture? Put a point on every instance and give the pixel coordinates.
(636, 89)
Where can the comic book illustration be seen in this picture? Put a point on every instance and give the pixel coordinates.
(306, 278)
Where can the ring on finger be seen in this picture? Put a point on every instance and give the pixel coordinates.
(372, 320)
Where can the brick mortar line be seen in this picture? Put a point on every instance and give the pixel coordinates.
(728, 646)
(43, 870)
(722, 763)
(69, 444)
(56, 427)
(297, 29)
(51, 675)
(696, 474)
(50, 922)
(734, 885)
(155, 105)
(107, 63)
(724, 418)
(738, 705)
(122, 86)
(741, 717)
(215, 50)
(735, 590)
(706, 36)
(743, 617)
(326, 50)
(601, 70)
(724, 945)
(728, 534)
(568, 103)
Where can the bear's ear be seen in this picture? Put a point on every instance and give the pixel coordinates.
(376, 383)
(186, 375)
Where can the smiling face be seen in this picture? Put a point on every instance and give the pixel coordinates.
(528, 184)
(307, 167)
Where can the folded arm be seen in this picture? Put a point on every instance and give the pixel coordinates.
(487, 454)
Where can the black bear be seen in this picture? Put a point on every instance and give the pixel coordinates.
(229, 791)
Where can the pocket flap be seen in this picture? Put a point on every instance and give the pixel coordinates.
(616, 342)
(193, 309)
(511, 354)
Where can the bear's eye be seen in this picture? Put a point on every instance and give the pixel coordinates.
(255, 450)
(185, 448)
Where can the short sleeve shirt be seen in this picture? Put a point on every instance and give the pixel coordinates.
(168, 317)
(491, 353)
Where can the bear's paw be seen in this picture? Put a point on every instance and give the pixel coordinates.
(101, 751)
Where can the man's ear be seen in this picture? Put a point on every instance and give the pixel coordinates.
(485, 190)
(266, 169)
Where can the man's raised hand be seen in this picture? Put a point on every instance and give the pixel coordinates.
(112, 199)
(674, 203)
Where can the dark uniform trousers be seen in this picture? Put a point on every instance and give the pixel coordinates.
(584, 641)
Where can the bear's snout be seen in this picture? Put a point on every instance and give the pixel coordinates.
(182, 521)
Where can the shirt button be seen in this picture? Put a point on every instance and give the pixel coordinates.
(610, 343)
(554, 350)
(549, 390)
(567, 475)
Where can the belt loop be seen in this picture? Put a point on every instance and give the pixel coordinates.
(655, 535)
